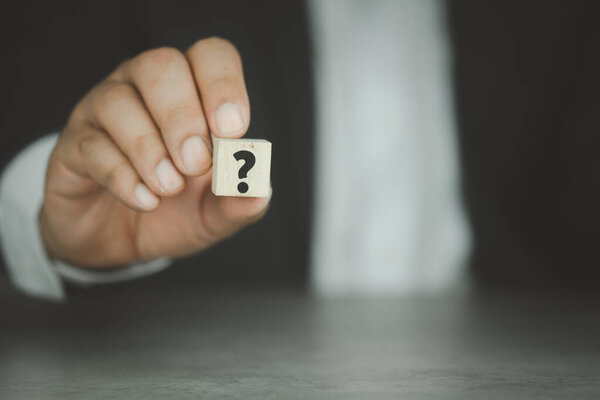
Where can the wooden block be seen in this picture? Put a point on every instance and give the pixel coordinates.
(241, 167)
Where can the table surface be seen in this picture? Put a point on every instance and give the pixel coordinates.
(149, 340)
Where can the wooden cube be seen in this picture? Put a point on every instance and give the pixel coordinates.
(241, 167)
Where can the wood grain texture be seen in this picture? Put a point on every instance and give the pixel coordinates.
(241, 167)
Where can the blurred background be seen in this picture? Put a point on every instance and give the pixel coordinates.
(59, 51)
(484, 112)
(434, 169)
(502, 99)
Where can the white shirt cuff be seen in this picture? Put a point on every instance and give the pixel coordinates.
(28, 266)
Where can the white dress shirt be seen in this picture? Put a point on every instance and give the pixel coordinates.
(388, 216)
(389, 219)
(28, 265)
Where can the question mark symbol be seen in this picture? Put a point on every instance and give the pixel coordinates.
(249, 161)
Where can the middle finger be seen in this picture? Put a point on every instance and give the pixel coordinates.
(165, 82)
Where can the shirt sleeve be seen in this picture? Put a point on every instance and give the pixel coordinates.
(28, 266)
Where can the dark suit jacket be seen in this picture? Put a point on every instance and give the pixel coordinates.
(526, 80)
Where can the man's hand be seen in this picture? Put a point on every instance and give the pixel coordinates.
(130, 177)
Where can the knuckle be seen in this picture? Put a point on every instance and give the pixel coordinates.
(70, 133)
(86, 146)
(113, 93)
(180, 114)
(223, 84)
(116, 175)
(146, 147)
(184, 118)
(159, 58)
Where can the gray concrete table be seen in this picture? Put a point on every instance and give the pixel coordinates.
(164, 340)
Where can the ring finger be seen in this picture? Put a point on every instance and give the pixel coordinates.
(118, 109)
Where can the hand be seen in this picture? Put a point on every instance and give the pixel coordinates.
(130, 176)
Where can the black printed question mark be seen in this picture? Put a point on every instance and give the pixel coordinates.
(249, 161)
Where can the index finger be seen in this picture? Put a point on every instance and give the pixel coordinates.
(217, 69)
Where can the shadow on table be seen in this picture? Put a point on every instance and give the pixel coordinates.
(151, 338)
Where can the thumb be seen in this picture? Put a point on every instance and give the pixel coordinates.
(223, 215)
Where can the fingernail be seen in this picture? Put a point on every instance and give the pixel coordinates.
(230, 121)
(167, 175)
(145, 198)
(195, 154)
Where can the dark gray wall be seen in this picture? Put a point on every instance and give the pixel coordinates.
(53, 52)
